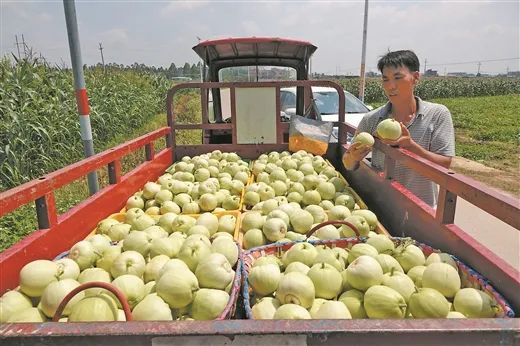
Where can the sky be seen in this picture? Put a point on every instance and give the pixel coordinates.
(451, 36)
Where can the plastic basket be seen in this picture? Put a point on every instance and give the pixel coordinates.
(469, 276)
(235, 213)
(121, 218)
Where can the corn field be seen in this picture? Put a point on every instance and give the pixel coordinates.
(39, 126)
(441, 87)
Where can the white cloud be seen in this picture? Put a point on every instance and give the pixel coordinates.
(116, 36)
(250, 27)
(45, 17)
(174, 7)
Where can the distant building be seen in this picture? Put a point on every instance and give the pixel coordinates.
(460, 74)
(431, 73)
(372, 74)
(513, 74)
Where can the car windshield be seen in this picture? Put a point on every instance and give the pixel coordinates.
(328, 103)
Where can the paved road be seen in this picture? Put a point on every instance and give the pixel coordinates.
(498, 236)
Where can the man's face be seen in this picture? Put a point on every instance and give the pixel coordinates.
(399, 82)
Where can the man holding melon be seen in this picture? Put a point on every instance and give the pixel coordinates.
(406, 121)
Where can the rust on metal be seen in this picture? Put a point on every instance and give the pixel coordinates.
(447, 202)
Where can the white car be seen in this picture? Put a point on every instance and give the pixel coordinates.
(327, 102)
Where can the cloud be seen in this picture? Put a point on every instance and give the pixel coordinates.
(174, 7)
(115, 37)
(251, 27)
(23, 10)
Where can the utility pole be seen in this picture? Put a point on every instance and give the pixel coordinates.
(23, 44)
(102, 58)
(24, 47)
(17, 46)
(81, 91)
(478, 69)
(425, 61)
(363, 55)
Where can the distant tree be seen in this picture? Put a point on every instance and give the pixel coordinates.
(172, 71)
(186, 70)
(195, 72)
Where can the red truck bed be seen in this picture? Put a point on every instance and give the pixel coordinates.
(399, 211)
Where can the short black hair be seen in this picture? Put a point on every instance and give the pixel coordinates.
(399, 58)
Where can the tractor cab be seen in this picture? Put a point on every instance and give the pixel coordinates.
(243, 62)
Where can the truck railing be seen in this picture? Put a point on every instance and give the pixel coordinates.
(54, 231)
(443, 232)
(246, 150)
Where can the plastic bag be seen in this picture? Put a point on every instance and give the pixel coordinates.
(310, 135)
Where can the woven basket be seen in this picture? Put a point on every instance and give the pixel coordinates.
(469, 277)
(234, 293)
(229, 310)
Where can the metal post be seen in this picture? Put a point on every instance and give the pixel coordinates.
(201, 62)
(363, 55)
(81, 91)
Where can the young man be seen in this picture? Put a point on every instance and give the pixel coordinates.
(427, 128)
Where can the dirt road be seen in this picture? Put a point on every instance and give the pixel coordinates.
(498, 236)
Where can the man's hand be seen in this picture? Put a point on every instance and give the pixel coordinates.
(405, 141)
(358, 151)
(355, 153)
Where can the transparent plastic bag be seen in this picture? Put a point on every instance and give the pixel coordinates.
(310, 135)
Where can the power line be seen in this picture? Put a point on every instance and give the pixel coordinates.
(429, 65)
(473, 62)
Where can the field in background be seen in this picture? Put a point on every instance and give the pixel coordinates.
(430, 88)
(38, 102)
(39, 122)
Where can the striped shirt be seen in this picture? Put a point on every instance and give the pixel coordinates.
(432, 128)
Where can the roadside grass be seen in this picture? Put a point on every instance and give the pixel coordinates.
(21, 222)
